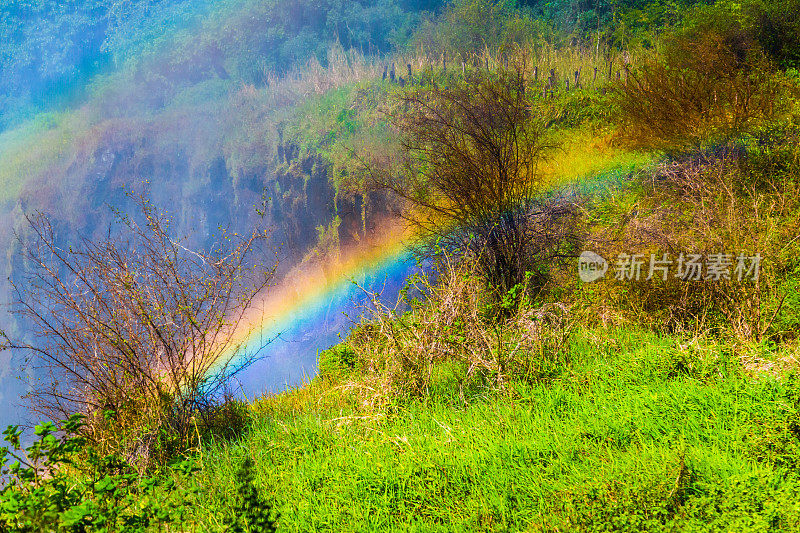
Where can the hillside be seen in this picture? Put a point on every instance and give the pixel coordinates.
(516, 383)
(193, 98)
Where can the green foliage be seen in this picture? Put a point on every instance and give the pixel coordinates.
(617, 24)
(468, 27)
(639, 432)
(50, 50)
(339, 122)
(512, 298)
(757, 501)
(253, 515)
(336, 362)
(510, 301)
(60, 483)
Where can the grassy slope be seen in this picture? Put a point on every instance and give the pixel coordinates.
(637, 432)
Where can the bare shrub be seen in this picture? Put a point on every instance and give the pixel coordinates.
(468, 169)
(135, 330)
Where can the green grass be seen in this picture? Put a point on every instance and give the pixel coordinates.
(635, 434)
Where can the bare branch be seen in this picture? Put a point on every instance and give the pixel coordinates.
(136, 323)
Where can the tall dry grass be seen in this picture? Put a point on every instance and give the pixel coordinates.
(406, 348)
(709, 202)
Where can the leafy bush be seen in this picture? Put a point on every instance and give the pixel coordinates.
(337, 362)
(61, 483)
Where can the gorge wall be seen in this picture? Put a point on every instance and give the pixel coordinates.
(293, 191)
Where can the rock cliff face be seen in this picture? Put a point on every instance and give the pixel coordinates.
(295, 191)
(302, 199)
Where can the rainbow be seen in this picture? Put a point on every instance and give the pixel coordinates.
(306, 312)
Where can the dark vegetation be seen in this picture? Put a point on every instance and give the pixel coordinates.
(501, 393)
(468, 166)
(711, 82)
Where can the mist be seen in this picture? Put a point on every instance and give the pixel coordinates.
(188, 100)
